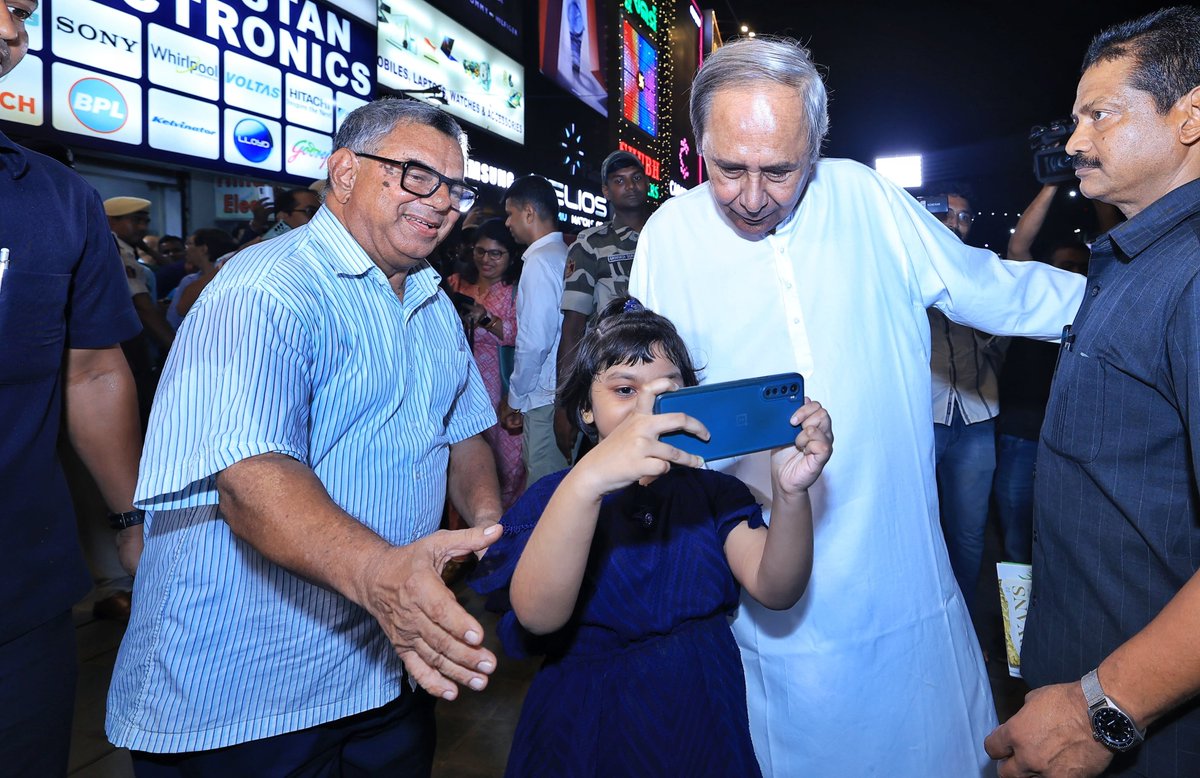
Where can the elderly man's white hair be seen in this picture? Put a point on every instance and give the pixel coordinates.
(768, 58)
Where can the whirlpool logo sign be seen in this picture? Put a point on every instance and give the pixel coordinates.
(98, 105)
(253, 140)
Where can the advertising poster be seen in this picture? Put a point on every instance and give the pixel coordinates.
(421, 48)
(230, 86)
(571, 50)
(496, 21)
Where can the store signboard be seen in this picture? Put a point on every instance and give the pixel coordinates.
(226, 85)
(496, 21)
(421, 48)
(234, 196)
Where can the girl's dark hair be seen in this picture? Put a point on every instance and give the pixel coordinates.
(218, 242)
(623, 333)
(494, 229)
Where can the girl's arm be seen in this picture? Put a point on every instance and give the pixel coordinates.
(545, 585)
(773, 563)
(546, 582)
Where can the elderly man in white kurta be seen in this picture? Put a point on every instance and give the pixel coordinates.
(781, 263)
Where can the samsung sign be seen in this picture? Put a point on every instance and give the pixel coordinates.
(224, 84)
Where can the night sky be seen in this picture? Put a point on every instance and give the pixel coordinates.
(963, 82)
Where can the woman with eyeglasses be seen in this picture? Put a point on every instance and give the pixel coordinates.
(490, 318)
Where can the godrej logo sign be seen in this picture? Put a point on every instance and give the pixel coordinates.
(253, 140)
(98, 105)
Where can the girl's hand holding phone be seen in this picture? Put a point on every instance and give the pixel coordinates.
(795, 468)
(632, 451)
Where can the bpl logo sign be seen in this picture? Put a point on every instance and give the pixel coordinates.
(98, 105)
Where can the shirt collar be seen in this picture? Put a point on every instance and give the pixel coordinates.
(12, 157)
(1160, 217)
(345, 256)
(545, 240)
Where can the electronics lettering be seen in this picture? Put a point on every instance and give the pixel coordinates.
(297, 38)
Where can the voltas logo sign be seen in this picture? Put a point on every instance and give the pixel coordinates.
(253, 140)
(252, 85)
(98, 105)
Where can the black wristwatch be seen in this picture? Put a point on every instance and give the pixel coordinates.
(120, 521)
(1111, 726)
(485, 321)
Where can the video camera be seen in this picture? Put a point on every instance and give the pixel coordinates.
(936, 204)
(1051, 163)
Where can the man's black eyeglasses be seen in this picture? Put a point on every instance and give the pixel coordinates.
(966, 217)
(310, 210)
(423, 181)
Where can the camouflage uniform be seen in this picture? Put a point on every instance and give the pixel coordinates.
(597, 269)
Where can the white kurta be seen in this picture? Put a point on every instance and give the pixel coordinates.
(876, 671)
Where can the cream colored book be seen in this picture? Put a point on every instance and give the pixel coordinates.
(1016, 587)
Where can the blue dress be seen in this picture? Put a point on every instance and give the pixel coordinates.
(645, 679)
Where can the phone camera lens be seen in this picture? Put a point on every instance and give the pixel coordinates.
(794, 388)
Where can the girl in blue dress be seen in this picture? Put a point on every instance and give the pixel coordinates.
(624, 570)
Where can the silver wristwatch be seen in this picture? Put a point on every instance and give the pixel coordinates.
(1111, 726)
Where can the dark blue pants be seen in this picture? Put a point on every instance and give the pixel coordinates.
(1015, 460)
(38, 671)
(966, 460)
(397, 739)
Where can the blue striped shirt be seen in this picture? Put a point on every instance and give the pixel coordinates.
(299, 346)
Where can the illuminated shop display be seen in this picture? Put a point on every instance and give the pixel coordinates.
(253, 86)
(644, 126)
(421, 48)
(639, 80)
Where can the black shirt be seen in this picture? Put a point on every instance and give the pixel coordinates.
(1116, 521)
(64, 288)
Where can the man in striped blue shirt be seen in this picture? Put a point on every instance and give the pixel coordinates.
(319, 402)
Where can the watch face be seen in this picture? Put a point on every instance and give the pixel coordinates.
(1114, 729)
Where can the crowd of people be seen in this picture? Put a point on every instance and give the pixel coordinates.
(392, 357)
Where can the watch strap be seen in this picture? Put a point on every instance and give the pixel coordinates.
(1092, 689)
(120, 521)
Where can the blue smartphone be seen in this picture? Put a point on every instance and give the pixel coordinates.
(752, 414)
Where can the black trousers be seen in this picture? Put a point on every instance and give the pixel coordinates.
(38, 671)
(397, 739)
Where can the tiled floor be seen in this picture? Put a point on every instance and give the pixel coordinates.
(473, 732)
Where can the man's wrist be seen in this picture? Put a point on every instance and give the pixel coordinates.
(130, 518)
